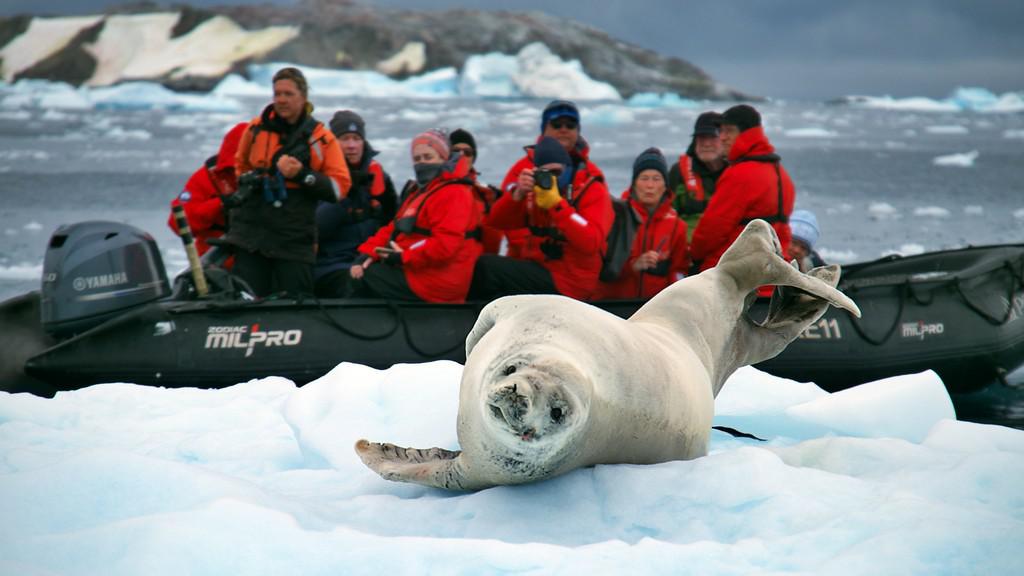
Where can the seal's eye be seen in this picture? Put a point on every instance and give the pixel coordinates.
(556, 415)
(509, 370)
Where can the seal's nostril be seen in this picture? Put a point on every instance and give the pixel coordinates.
(509, 370)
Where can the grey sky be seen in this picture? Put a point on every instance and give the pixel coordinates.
(783, 48)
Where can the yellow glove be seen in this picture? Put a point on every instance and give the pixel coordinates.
(547, 198)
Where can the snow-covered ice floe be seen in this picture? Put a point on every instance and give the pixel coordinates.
(261, 478)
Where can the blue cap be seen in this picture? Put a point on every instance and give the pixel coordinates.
(558, 109)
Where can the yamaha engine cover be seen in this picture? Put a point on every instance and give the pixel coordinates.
(94, 271)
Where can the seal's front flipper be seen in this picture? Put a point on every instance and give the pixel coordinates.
(434, 467)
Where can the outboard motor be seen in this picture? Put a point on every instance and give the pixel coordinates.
(96, 270)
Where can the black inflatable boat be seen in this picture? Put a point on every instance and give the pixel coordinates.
(106, 313)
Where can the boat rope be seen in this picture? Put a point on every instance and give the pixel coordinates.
(1016, 281)
(900, 289)
(348, 332)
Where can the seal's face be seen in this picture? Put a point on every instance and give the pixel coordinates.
(532, 409)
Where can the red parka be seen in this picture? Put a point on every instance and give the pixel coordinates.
(582, 222)
(663, 231)
(201, 196)
(439, 254)
(747, 190)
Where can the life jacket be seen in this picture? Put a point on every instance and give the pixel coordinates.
(780, 214)
(405, 220)
(694, 184)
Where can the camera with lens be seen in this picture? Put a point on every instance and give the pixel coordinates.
(543, 179)
(247, 183)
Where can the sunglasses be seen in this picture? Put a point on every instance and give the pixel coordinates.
(466, 151)
(566, 123)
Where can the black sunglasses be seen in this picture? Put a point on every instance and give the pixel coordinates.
(566, 123)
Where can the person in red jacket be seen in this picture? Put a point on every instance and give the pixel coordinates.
(567, 220)
(754, 186)
(559, 120)
(659, 256)
(204, 194)
(428, 251)
(462, 141)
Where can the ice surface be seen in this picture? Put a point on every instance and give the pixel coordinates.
(261, 478)
(962, 160)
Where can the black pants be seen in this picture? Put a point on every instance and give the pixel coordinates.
(382, 280)
(334, 284)
(268, 276)
(496, 276)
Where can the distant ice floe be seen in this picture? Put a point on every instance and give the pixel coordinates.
(931, 211)
(837, 256)
(33, 226)
(1013, 134)
(905, 250)
(1019, 214)
(962, 99)
(953, 129)
(965, 160)
(812, 132)
(882, 211)
(128, 96)
(974, 210)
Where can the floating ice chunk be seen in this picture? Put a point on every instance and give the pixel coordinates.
(33, 226)
(974, 210)
(906, 250)
(837, 256)
(811, 132)
(235, 85)
(965, 160)
(330, 82)
(662, 100)
(20, 271)
(1019, 214)
(947, 129)
(152, 96)
(932, 211)
(914, 104)
(16, 115)
(882, 210)
(1014, 134)
(119, 133)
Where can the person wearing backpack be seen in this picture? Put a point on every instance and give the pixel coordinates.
(567, 213)
(659, 255)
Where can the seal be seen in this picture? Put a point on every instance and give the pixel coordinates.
(552, 384)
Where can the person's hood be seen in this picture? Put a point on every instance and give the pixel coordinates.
(229, 145)
(751, 142)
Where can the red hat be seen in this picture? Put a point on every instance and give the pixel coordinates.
(436, 139)
(228, 146)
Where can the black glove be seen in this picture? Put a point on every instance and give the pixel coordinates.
(394, 259)
(233, 200)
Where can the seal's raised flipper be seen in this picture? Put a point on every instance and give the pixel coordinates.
(434, 467)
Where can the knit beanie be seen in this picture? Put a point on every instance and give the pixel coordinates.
(436, 139)
(460, 136)
(558, 109)
(296, 76)
(742, 116)
(650, 159)
(804, 226)
(348, 122)
(549, 151)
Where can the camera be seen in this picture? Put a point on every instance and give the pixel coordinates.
(543, 178)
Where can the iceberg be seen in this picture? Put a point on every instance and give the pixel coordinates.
(542, 74)
(962, 99)
(663, 100)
